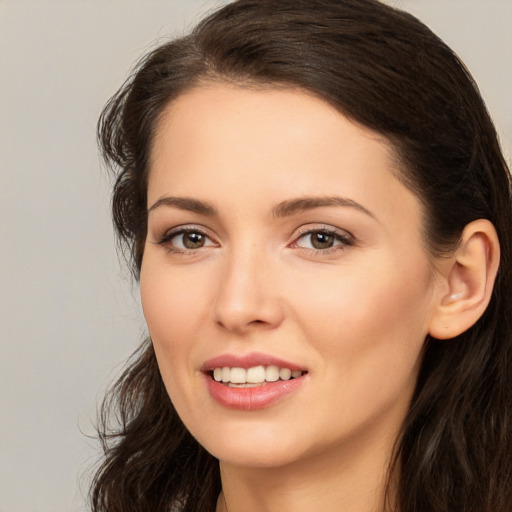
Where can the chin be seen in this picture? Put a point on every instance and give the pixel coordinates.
(253, 446)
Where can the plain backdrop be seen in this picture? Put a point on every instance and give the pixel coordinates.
(69, 313)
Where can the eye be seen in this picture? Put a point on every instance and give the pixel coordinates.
(323, 240)
(320, 240)
(182, 240)
(189, 240)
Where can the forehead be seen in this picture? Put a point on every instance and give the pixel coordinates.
(224, 140)
(214, 116)
(258, 113)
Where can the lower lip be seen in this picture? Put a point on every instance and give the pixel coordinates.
(250, 399)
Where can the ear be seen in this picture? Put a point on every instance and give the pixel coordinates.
(466, 281)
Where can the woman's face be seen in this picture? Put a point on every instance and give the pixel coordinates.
(279, 236)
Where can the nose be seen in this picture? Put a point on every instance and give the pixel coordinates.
(248, 294)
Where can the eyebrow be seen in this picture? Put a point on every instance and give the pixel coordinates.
(283, 209)
(185, 203)
(293, 206)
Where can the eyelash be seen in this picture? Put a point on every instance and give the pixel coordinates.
(166, 238)
(345, 240)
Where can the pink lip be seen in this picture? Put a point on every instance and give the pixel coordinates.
(249, 399)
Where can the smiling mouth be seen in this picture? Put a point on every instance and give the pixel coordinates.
(254, 376)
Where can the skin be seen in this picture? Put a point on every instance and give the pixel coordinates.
(354, 315)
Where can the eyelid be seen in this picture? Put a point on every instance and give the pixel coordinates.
(165, 238)
(345, 237)
(313, 228)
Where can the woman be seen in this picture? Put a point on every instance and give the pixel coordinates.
(315, 202)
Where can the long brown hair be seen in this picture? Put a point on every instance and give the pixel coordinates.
(384, 69)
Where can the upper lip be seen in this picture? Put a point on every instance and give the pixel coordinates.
(248, 361)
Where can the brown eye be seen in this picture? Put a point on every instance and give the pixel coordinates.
(322, 240)
(192, 239)
(186, 240)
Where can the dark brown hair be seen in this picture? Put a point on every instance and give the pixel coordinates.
(384, 69)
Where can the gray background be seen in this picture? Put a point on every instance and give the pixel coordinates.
(69, 314)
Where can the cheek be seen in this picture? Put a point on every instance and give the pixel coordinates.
(172, 300)
(371, 322)
(171, 306)
(366, 298)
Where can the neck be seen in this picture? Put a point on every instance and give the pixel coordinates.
(349, 480)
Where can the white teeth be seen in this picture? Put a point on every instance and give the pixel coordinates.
(226, 374)
(241, 377)
(272, 374)
(256, 375)
(238, 376)
(285, 374)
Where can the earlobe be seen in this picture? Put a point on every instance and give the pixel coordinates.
(467, 281)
